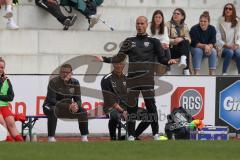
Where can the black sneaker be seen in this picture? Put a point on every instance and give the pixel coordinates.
(66, 23)
(73, 19)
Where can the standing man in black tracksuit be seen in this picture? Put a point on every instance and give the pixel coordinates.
(143, 52)
(63, 99)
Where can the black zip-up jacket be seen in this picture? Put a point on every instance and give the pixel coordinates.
(10, 94)
(114, 90)
(143, 52)
(59, 90)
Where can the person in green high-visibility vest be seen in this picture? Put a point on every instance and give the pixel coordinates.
(7, 95)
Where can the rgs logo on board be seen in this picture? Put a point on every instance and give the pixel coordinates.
(190, 98)
(229, 105)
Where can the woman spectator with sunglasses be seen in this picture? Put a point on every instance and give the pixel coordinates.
(178, 33)
(228, 38)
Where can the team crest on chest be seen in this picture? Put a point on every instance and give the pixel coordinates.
(71, 90)
(146, 44)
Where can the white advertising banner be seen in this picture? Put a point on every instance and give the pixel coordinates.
(197, 93)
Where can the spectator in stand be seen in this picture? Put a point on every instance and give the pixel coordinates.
(158, 30)
(203, 36)
(178, 33)
(53, 7)
(9, 14)
(7, 95)
(228, 38)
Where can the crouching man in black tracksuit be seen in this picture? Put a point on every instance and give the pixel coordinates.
(114, 95)
(64, 101)
(143, 53)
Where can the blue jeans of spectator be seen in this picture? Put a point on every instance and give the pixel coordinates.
(228, 54)
(198, 55)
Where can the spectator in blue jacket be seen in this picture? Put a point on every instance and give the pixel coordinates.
(203, 36)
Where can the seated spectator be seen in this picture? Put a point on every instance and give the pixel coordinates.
(6, 116)
(64, 98)
(53, 7)
(158, 30)
(87, 7)
(9, 14)
(178, 33)
(228, 37)
(203, 37)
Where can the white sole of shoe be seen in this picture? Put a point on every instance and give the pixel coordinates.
(94, 21)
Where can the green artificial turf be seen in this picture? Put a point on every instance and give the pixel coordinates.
(138, 150)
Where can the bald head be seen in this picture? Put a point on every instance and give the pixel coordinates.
(141, 25)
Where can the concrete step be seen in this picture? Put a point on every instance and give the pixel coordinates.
(120, 18)
(42, 51)
(32, 42)
(162, 3)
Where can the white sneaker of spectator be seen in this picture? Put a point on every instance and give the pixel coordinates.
(52, 139)
(131, 138)
(12, 25)
(224, 74)
(84, 138)
(186, 72)
(94, 20)
(183, 62)
(156, 137)
(9, 12)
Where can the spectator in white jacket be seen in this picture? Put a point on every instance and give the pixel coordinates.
(228, 38)
(158, 30)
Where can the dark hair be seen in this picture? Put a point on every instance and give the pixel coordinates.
(153, 24)
(205, 14)
(234, 14)
(182, 13)
(118, 58)
(66, 66)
